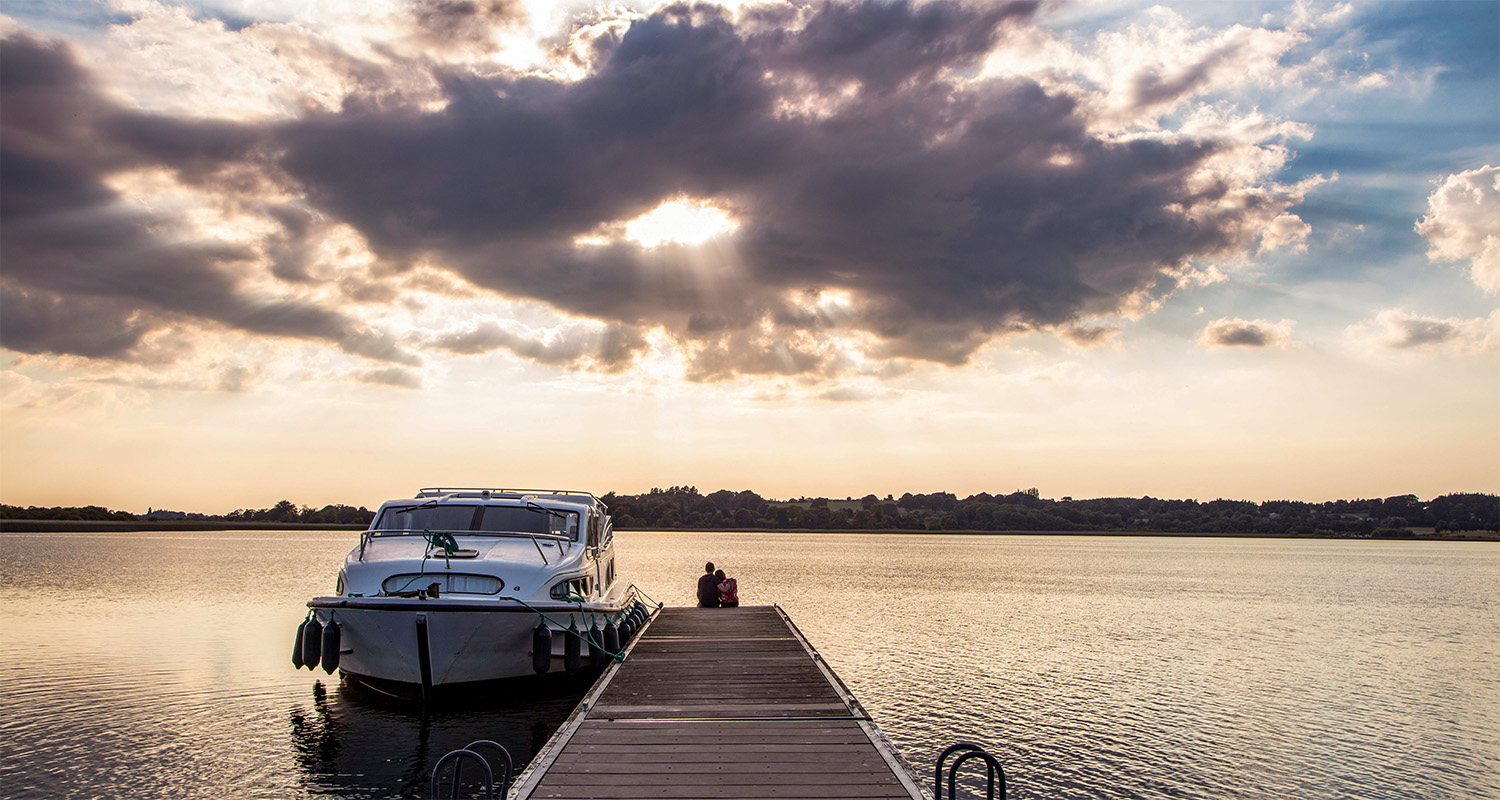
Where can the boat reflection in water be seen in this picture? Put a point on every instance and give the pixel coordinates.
(351, 741)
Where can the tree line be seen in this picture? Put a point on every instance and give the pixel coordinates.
(684, 507)
(284, 511)
(1026, 510)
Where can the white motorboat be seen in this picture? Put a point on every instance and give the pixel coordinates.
(459, 586)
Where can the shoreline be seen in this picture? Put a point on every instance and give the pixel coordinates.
(143, 526)
(1466, 536)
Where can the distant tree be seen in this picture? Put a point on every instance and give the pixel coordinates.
(284, 511)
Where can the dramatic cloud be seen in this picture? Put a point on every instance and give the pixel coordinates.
(1247, 333)
(1398, 329)
(88, 273)
(883, 196)
(41, 322)
(946, 211)
(447, 23)
(1463, 224)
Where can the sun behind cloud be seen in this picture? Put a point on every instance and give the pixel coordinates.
(680, 221)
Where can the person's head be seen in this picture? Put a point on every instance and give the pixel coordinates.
(719, 574)
(709, 567)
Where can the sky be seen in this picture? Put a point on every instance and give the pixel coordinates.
(255, 250)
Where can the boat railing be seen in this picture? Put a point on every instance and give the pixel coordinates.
(480, 491)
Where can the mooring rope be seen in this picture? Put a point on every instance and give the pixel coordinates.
(441, 539)
(642, 593)
(573, 630)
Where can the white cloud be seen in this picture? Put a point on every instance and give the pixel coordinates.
(1250, 333)
(1401, 330)
(1307, 16)
(1285, 231)
(1463, 224)
(166, 61)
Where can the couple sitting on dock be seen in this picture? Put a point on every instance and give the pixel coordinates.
(715, 590)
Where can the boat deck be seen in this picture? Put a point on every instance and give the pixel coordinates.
(718, 703)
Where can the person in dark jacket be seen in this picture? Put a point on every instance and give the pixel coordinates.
(708, 588)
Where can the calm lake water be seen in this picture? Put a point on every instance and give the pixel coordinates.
(159, 665)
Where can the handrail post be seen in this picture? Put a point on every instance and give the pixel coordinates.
(970, 751)
(457, 755)
(506, 765)
(993, 768)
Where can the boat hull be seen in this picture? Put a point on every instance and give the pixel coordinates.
(462, 643)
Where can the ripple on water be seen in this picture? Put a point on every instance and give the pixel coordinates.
(1093, 667)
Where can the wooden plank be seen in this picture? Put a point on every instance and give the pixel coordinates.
(786, 762)
(752, 775)
(728, 793)
(678, 749)
(718, 703)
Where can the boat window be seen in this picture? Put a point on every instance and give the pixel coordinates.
(593, 529)
(517, 519)
(577, 587)
(426, 518)
(483, 518)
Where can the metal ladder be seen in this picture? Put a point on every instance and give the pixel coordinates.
(970, 751)
(468, 753)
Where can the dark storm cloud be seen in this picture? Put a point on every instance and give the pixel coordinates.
(842, 137)
(41, 322)
(883, 45)
(84, 273)
(953, 213)
(445, 23)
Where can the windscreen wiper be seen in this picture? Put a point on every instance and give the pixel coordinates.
(541, 509)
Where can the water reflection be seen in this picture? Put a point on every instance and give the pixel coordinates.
(352, 741)
(1093, 667)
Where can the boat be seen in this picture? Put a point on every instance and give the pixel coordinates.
(458, 587)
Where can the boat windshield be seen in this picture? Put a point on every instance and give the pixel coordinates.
(479, 519)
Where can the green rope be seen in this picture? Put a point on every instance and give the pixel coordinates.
(573, 630)
(439, 539)
(642, 593)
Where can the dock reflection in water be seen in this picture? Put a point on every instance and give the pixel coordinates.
(351, 741)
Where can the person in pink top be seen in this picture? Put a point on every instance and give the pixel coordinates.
(729, 591)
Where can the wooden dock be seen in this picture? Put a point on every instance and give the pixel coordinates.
(718, 703)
